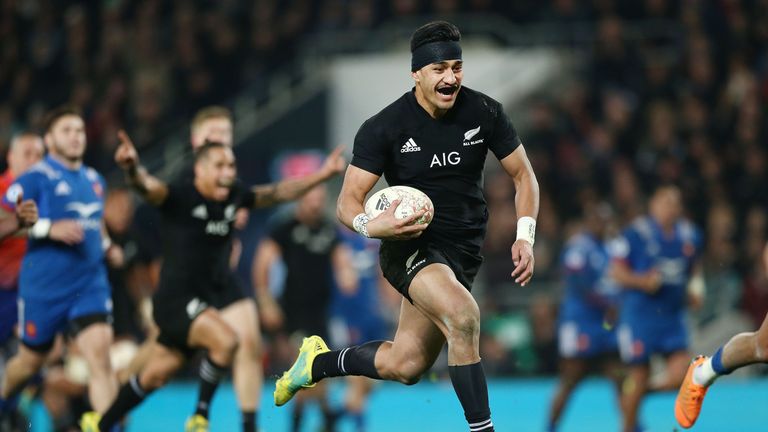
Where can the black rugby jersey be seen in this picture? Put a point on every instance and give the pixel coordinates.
(306, 252)
(197, 234)
(443, 158)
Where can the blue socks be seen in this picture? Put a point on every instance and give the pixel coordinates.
(717, 363)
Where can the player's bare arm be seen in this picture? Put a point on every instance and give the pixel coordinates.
(357, 183)
(113, 253)
(696, 289)
(343, 270)
(291, 189)
(270, 312)
(154, 190)
(519, 168)
(648, 282)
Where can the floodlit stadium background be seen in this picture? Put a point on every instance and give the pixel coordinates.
(610, 98)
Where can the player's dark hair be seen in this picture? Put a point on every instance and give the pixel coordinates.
(55, 114)
(435, 31)
(204, 150)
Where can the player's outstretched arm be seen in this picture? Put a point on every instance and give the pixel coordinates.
(517, 165)
(349, 208)
(151, 188)
(24, 217)
(291, 189)
(648, 282)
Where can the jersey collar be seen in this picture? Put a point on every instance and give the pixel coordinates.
(56, 164)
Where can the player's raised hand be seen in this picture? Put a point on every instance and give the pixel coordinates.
(335, 163)
(522, 258)
(26, 212)
(126, 155)
(388, 226)
(67, 231)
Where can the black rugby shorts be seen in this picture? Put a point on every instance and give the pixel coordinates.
(402, 260)
(174, 314)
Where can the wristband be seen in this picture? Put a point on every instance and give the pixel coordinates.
(40, 229)
(106, 242)
(526, 229)
(359, 223)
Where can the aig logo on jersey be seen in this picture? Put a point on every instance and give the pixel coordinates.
(445, 159)
(220, 228)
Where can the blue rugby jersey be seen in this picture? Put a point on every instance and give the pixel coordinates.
(363, 306)
(589, 291)
(53, 269)
(644, 247)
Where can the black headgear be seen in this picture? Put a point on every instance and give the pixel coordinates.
(435, 52)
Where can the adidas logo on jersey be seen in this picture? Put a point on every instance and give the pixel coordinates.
(409, 146)
(62, 189)
(200, 212)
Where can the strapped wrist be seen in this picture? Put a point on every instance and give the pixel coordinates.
(106, 243)
(526, 229)
(360, 224)
(40, 229)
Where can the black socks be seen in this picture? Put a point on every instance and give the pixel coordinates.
(357, 360)
(130, 395)
(472, 390)
(210, 375)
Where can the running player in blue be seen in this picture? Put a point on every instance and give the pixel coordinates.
(741, 350)
(63, 280)
(656, 260)
(360, 315)
(589, 308)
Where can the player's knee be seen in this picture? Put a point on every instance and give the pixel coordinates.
(464, 324)
(155, 381)
(249, 345)
(405, 372)
(30, 360)
(408, 377)
(229, 346)
(762, 348)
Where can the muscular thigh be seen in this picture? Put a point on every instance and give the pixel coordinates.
(241, 316)
(418, 340)
(439, 296)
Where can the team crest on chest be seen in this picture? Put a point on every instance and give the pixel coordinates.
(468, 135)
(97, 189)
(229, 212)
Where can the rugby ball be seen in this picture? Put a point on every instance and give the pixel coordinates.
(411, 201)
